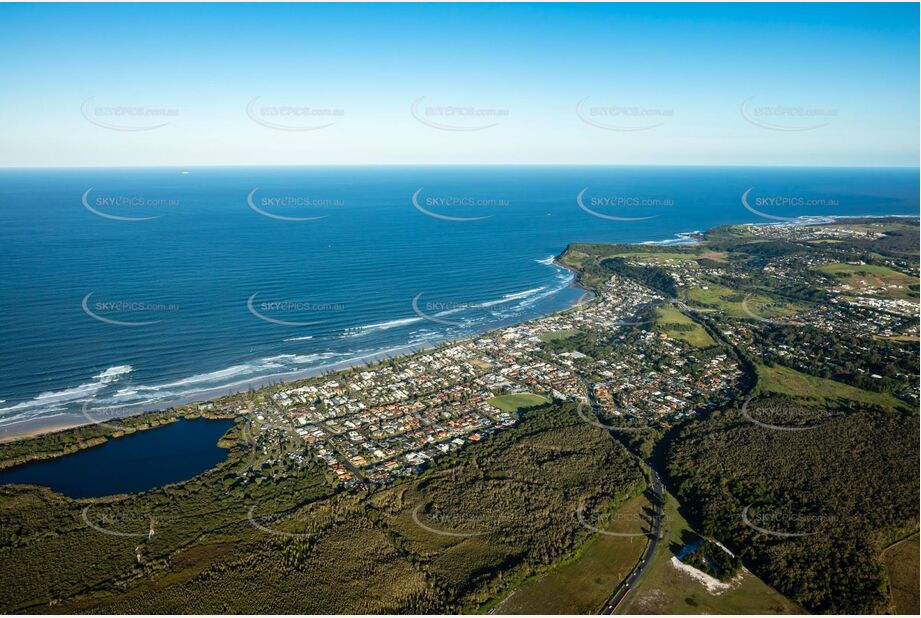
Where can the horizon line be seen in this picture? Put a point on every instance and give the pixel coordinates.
(491, 165)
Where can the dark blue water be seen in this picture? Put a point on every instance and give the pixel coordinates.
(102, 314)
(133, 463)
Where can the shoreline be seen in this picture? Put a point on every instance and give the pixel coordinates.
(203, 396)
(39, 428)
(35, 427)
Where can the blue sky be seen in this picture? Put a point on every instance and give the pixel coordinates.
(682, 84)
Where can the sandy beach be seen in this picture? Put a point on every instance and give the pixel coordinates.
(30, 428)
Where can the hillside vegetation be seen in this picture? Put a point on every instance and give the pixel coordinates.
(450, 540)
(830, 494)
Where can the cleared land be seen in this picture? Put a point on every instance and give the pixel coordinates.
(792, 383)
(574, 258)
(559, 335)
(716, 256)
(665, 590)
(909, 338)
(717, 296)
(582, 584)
(517, 401)
(867, 276)
(657, 258)
(679, 326)
(901, 562)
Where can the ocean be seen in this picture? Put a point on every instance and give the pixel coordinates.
(135, 289)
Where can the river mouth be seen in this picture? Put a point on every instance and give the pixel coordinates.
(133, 463)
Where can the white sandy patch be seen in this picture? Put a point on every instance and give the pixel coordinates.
(724, 548)
(713, 585)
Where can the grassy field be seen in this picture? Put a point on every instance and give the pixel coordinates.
(716, 256)
(665, 590)
(517, 401)
(667, 318)
(725, 299)
(574, 258)
(584, 583)
(792, 383)
(864, 276)
(908, 338)
(730, 302)
(559, 335)
(882, 274)
(658, 258)
(585, 256)
(901, 562)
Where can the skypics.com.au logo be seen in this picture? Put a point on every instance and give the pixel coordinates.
(279, 312)
(786, 118)
(128, 118)
(757, 205)
(462, 118)
(292, 208)
(622, 118)
(457, 208)
(293, 117)
(122, 207)
(622, 207)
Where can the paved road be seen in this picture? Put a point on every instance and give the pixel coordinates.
(659, 502)
(682, 305)
(658, 513)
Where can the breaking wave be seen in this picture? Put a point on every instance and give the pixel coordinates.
(114, 388)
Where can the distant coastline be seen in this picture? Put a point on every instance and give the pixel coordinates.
(30, 428)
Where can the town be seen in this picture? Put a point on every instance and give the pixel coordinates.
(379, 423)
(632, 352)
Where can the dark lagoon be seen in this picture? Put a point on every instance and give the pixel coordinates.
(134, 463)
